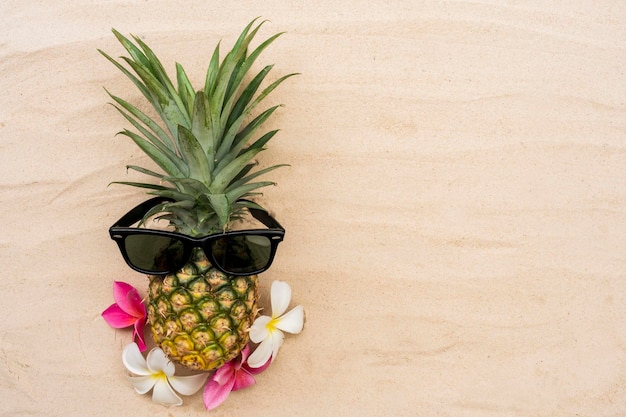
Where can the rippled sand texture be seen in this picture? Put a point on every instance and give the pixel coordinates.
(455, 205)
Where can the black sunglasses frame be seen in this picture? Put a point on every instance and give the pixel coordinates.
(121, 229)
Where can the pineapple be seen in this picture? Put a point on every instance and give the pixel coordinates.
(205, 146)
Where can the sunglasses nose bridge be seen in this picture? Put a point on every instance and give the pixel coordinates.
(204, 244)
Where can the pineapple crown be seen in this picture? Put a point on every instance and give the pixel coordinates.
(208, 141)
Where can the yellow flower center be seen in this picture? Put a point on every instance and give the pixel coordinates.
(271, 325)
(159, 375)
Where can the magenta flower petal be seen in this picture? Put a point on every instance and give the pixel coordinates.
(118, 318)
(223, 374)
(233, 376)
(216, 393)
(127, 297)
(245, 352)
(128, 310)
(138, 333)
(243, 379)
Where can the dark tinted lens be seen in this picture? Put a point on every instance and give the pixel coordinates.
(242, 254)
(154, 253)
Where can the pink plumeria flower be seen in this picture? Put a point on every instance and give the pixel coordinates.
(156, 373)
(232, 376)
(128, 310)
(268, 331)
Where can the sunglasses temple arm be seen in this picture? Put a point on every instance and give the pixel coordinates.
(137, 213)
(264, 217)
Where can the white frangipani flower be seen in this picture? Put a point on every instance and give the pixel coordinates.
(157, 373)
(268, 331)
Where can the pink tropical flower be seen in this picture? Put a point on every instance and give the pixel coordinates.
(232, 376)
(128, 310)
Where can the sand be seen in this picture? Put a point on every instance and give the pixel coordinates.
(455, 204)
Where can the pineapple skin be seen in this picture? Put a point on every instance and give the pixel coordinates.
(199, 316)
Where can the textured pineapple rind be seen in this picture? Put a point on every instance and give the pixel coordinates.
(200, 316)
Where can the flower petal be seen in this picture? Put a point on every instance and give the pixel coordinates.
(138, 333)
(292, 322)
(277, 341)
(259, 330)
(135, 305)
(261, 354)
(225, 373)
(280, 297)
(243, 379)
(127, 297)
(142, 384)
(120, 290)
(245, 352)
(117, 318)
(157, 361)
(188, 385)
(255, 371)
(133, 360)
(215, 393)
(164, 394)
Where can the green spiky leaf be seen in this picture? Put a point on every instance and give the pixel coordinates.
(204, 140)
(157, 155)
(145, 171)
(192, 152)
(152, 131)
(185, 89)
(220, 204)
(230, 171)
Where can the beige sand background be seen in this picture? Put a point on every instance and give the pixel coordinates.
(455, 206)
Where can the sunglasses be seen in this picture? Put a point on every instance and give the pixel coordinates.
(160, 252)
